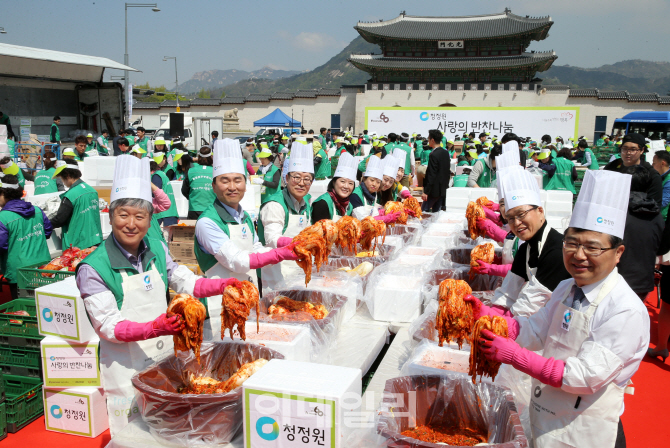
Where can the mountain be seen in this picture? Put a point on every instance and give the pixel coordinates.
(635, 76)
(637, 68)
(213, 79)
(334, 73)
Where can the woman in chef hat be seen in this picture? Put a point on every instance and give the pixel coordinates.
(124, 283)
(587, 361)
(393, 170)
(364, 197)
(287, 213)
(335, 202)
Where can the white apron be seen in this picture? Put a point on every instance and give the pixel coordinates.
(143, 300)
(561, 419)
(366, 210)
(273, 274)
(243, 238)
(508, 251)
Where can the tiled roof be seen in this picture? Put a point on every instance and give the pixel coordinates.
(282, 96)
(455, 28)
(205, 102)
(613, 95)
(526, 59)
(583, 92)
(664, 100)
(330, 92)
(232, 100)
(257, 98)
(643, 97)
(147, 106)
(173, 103)
(555, 88)
(306, 93)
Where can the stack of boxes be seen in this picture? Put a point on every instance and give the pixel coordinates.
(4, 148)
(181, 240)
(73, 397)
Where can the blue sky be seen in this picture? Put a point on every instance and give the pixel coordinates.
(303, 34)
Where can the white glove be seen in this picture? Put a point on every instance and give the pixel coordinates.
(284, 150)
(257, 181)
(535, 163)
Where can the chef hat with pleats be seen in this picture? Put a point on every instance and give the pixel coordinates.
(227, 157)
(510, 145)
(347, 167)
(514, 170)
(375, 168)
(302, 158)
(507, 159)
(602, 204)
(132, 178)
(521, 189)
(401, 155)
(390, 166)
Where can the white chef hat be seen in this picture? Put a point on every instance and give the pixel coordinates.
(401, 155)
(375, 168)
(520, 189)
(507, 159)
(500, 174)
(302, 158)
(510, 145)
(346, 167)
(390, 166)
(602, 204)
(227, 157)
(132, 178)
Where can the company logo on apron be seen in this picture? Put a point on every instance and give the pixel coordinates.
(160, 345)
(47, 315)
(537, 392)
(273, 434)
(147, 280)
(567, 317)
(56, 411)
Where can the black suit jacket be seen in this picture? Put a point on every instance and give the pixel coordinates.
(436, 182)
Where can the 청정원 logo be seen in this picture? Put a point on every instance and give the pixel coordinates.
(147, 279)
(424, 116)
(272, 435)
(599, 220)
(567, 317)
(56, 411)
(47, 315)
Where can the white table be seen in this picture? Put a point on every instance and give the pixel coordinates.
(349, 351)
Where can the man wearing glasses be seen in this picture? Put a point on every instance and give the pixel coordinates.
(593, 332)
(286, 214)
(537, 267)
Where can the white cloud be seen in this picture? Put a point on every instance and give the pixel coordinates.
(312, 42)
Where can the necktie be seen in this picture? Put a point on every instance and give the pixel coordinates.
(577, 298)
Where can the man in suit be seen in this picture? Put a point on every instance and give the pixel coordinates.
(436, 182)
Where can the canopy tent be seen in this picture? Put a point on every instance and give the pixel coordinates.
(278, 119)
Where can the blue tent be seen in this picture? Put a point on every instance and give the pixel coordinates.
(277, 119)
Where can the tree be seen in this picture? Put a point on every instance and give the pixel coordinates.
(204, 93)
(223, 95)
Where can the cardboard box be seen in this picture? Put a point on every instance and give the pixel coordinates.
(61, 312)
(182, 249)
(186, 261)
(182, 232)
(191, 265)
(285, 396)
(104, 193)
(70, 364)
(79, 411)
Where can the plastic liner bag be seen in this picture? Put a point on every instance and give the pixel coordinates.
(452, 218)
(414, 232)
(520, 385)
(339, 264)
(383, 253)
(461, 254)
(423, 328)
(431, 359)
(191, 420)
(479, 283)
(323, 332)
(412, 401)
(393, 293)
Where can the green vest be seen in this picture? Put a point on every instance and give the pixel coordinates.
(44, 183)
(155, 231)
(22, 180)
(92, 147)
(600, 142)
(27, 245)
(104, 150)
(80, 158)
(166, 169)
(217, 213)
(167, 189)
(109, 262)
(57, 135)
(270, 193)
(408, 163)
(143, 144)
(461, 180)
(201, 195)
(284, 200)
(425, 155)
(562, 178)
(486, 177)
(664, 210)
(366, 138)
(463, 163)
(594, 161)
(333, 211)
(11, 144)
(85, 219)
(358, 191)
(323, 170)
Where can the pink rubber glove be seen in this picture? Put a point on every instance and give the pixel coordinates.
(388, 219)
(493, 216)
(479, 310)
(499, 270)
(405, 194)
(127, 331)
(495, 207)
(491, 230)
(250, 169)
(505, 350)
(208, 287)
(273, 257)
(284, 241)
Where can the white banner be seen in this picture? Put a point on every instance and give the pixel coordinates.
(525, 122)
(129, 102)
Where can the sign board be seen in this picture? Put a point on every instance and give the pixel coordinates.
(449, 44)
(69, 364)
(62, 313)
(523, 121)
(25, 132)
(25, 122)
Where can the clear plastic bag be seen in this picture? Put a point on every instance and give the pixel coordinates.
(190, 420)
(479, 283)
(461, 254)
(428, 358)
(520, 385)
(412, 401)
(413, 232)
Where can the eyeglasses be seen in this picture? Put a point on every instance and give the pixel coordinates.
(301, 180)
(629, 150)
(589, 251)
(520, 216)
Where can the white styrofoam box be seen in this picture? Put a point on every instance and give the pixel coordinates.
(180, 200)
(3, 130)
(452, 218)
(29, 188)
(55, 243)
(61, 312)
(445, 227)
(80, 411)
(554, 196)
(491, 193)
(458, 193)
(339, 283)
(564, 208)
(557, 223)
(297, 394)
(457, 205)
(433, 252)
(318, 188)
(397, 299)
(543, 196)
(396, 241)
(292, 341)
(70, 364)
(104, 222)
(98, 168)
(438, 239)
(431, 359)
(4, 149)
